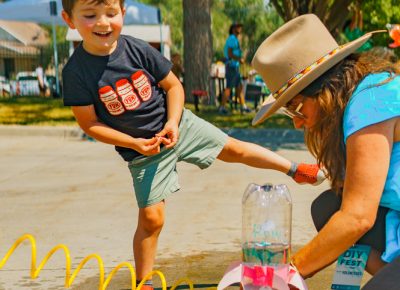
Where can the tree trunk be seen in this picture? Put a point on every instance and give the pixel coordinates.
(197, 45)
(332, 13)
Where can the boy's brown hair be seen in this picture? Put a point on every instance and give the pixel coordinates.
(68, 5)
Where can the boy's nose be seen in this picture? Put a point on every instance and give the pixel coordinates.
(298, 122)
(102, 20)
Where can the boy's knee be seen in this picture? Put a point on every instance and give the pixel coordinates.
(151, 220)
(234, 147)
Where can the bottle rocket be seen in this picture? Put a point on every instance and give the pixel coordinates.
(266, 235)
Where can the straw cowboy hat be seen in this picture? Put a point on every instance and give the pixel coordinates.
(294, 56)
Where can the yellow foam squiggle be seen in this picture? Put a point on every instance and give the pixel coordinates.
(69, 279)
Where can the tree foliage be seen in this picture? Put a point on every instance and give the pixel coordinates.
(261, 18)
(333, 13)
(378, 13)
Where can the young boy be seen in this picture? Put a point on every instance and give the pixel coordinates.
(122, 92)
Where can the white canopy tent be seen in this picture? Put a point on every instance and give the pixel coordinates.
(49, 12)
(39, 11)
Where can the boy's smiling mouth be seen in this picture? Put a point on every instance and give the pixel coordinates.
(103, 34)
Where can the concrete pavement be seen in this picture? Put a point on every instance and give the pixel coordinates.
(79, 193)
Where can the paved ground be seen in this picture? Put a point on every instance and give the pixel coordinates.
(64, 190)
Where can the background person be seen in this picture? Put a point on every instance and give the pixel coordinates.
(41, 80)
(122, 92)
(233, 58)
(349, 107)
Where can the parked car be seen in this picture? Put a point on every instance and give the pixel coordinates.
(27, 84)
(5, 87)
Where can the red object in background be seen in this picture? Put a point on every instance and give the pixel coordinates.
(394, 33)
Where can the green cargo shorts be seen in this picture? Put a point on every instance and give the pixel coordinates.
(155, 177)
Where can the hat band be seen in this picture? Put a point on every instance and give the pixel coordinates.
(305, 71)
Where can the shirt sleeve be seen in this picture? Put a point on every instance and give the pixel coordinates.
(75, 93)
(372, 104)
(157, 64)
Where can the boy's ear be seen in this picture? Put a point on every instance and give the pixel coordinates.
(67, 19)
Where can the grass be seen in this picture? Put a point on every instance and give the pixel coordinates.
(47, 111)
(34, 111)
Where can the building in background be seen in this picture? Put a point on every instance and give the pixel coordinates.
(21, 45)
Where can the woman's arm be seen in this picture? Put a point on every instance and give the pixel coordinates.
(368, 156)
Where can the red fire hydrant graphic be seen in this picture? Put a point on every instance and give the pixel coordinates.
(142, 85)
(128, 96)
(110, 100)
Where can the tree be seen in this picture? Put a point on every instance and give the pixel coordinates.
(377, 14)
(333, 13)
(197, 43)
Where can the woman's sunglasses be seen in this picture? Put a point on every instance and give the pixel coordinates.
(292, 109)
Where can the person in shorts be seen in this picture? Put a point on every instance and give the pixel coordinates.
(122, 92)
(233, 59)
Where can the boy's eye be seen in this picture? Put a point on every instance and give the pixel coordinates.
(89, 16)
(111, 14)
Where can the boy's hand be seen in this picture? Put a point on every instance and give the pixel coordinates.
(309, 173)
(169, 135)
(147, 147)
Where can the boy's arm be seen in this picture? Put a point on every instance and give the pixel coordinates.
(88, 121)
(175, 101)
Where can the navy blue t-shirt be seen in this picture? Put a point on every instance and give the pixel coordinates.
(123, 87)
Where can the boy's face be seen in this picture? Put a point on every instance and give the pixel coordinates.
(99, 24)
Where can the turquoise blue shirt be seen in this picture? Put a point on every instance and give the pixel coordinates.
(233, 43)
(371, 104)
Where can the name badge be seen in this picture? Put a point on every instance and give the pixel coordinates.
(350, 268)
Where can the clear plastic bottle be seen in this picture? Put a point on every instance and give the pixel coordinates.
(266, 235)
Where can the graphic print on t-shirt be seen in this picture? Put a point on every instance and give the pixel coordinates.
(142, 85)
(130, 95)
(110, 100)
(130, 100)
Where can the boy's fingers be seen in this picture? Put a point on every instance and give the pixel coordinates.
(151, 141)
(162, 133)
(172, 143)
(156, 150)
(164, 140)
(154, 144)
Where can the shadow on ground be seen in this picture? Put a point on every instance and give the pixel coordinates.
(204, 270)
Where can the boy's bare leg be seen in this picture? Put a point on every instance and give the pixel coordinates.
(150, 223)
(237, 151)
